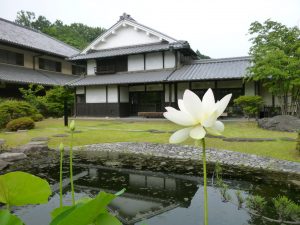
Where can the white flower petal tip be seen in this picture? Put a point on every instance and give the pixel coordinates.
(208, 100)
(179, 117)
(192, 104)
(180, 136)
(222, 104)
(197, 132)
(169, 109)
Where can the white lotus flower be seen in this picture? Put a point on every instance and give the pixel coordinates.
(198, 117)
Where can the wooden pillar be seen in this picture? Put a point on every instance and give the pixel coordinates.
(175, 93)
(66, 119)
(170, 94)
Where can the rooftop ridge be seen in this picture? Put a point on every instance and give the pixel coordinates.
(220, 60)
(127, 47)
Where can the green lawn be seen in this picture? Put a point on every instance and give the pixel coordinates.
(101, 131)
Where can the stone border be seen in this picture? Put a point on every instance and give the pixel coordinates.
(224, 157)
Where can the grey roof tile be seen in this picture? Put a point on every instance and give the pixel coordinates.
(29, 38)
(124, 78)
(226, 68)
(136, 49)
(18, 74)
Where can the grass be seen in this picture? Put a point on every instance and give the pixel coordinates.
(103, 131)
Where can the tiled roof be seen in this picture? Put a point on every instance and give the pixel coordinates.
(135, 49)
(16, 34)
(124, 78)
(210, 69)
(18, 74)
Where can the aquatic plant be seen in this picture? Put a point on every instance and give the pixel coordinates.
(85, 211)
(72, 129)
(19, 189)
(287, 211)
(199, 118)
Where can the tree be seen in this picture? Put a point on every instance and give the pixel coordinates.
(249, 104)
(275, 55)
(201, 56)
(25, 18)
(76, 34)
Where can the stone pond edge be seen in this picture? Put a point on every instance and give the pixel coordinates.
(179, 152)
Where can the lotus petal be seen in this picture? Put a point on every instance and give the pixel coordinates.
(197, 132)
(180, 135)
(222, 104)
(180, 118)
(192, 104)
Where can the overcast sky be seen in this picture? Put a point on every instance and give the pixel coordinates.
(217, 28)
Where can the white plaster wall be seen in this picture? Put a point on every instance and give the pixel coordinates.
(124, 94)
(154, 61)
(112, 94)
(79, 90)
(249, 88)
(91, 64)
(135, 62)
(170, 61)
(181, 87)
(95, 94)
(126, 36)
(66, 67)
(230, 84)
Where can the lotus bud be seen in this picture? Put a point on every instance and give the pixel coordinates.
(61, 147)
(72, 125)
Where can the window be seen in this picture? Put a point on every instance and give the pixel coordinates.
(112, 65)
(47, 64)
(80, 98)
(11, 57)
(78, 70)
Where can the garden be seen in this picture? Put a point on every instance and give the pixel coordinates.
(190, 168)
(122, 171)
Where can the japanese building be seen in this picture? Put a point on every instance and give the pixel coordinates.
(129, 69)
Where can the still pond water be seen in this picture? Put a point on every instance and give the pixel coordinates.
(158, 192)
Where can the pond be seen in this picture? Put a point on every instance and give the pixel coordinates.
(158, 191)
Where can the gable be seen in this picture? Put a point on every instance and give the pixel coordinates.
(126, 36)
(127, 32)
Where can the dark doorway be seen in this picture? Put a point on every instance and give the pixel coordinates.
(151, 101)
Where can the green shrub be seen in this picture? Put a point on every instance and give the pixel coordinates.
(54, 101)
(22, 123)
(16, 109)
(37, 117)
(4, 119)
(249, 104)
(13, 109)
(33, 95)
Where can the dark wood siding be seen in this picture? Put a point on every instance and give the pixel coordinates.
(103, 109)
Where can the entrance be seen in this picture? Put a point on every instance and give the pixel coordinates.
(151, 101)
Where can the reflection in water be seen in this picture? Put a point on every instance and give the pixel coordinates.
(158, 198)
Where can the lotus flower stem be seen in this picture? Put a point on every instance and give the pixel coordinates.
(71, 168)
(61, 148)
(205, 183)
